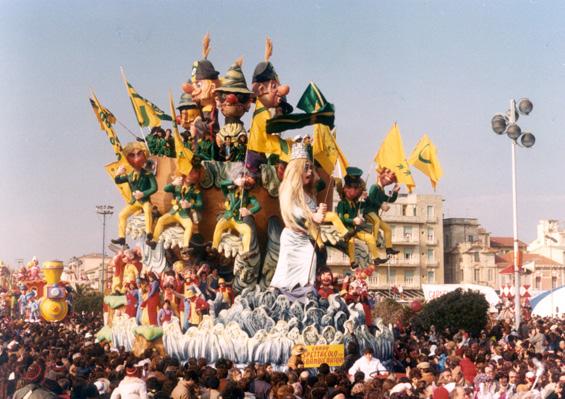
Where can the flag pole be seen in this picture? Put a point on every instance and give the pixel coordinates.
(127, 90)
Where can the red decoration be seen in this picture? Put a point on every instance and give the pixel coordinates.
(416, 305)
(231, 98)
(187, 88)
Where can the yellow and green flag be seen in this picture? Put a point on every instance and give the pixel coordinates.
(326, 150)
(183, 154)
(424, 157)
(106, 119)
(147, 113)
(391, 155)
(261, 141)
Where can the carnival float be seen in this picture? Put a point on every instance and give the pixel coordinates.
(232, 224)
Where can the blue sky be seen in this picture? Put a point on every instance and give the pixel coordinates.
(437, 67)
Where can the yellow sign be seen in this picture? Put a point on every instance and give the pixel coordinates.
(333, 355)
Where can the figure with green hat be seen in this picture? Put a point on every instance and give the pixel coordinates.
(201, 86)
(238, 205)
(234, 100)
(350, 211)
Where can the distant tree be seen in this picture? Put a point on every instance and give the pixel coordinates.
(86, 299)
(392, 312)
(453, 311)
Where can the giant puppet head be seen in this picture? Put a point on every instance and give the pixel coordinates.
(136, 154)
(354, 184)
(266, 84)
(188, 111)
(204, 79)
(386, 176)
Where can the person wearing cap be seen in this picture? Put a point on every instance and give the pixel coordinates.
(238, 205)
(188, 111)
(187, 199)
(142, 184)
(194, 306)
(296, 356)
(368, 364)
(131, 387)
(226, 291)
(350, 211)
(234, 100)
(296, 266)
(379, 200)
(151, 301)
(34, 389)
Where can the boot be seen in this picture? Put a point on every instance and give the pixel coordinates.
(379, 261)
(119, 241)
(391, 251)
(151, 244)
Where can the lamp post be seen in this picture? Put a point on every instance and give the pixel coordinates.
(104, 210)
(552, 271)
(507, 124)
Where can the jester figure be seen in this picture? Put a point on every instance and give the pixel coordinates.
(350, 211)
(189, 112)
(187, 202)
(142, 184)
(237, 202)
(379, 200)
(234, 100)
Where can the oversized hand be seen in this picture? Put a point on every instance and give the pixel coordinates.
(137, 195)
(244, 212)
(318, 217)
(177, 181)
(185, 204)
(357, 221)
(322, 208)
(121, 170)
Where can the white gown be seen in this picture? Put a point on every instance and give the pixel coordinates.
(296, 266)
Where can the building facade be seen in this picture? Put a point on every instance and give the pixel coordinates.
(550, 241)
(86, 270)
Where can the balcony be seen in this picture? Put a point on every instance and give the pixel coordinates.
(431, 241)
(432, 262)
(403, 219)
(405, 239)
(376, 283)
(399, 260)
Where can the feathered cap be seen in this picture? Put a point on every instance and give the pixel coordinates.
(204, 69)
(265, 71)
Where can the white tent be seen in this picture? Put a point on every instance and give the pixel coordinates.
(542, 304)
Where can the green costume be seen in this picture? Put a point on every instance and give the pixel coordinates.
(376, 198)
(187, 193)
(234, 202)
(139, 181)
(348, 210)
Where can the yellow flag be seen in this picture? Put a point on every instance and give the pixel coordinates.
(326, 151)
(183, 154)
(424, 157)
(261, 141)
(147, 113)
(124, 189)
(391, 155)
(106, 120)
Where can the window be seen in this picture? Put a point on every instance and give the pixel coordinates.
(470, 238)
(553, 282)
(430, 212)
(431, 278)
(408, 233)
(392, 277)
(431, 257)
(476, 257)
(404, 210)
(477, 275)
(491, 275)
(413, 210)
(409, 276)
(538, 282)
(430, 234)
(408, 254)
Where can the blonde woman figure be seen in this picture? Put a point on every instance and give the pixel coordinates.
(296, 267)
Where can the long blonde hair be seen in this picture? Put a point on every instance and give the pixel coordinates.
(292, 194)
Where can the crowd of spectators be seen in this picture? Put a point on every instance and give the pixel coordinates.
(62, 360)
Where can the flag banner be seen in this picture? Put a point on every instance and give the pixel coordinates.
(124, 189)
(326, 150)
(183, 154)
(106, 120)
(391, 155)
(316, 108)
(424, 158)
(260, 141)
(147, 113)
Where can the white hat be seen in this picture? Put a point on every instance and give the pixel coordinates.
(88, 335)
(403, 386)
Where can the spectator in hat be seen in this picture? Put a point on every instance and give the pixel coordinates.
(34, 389)
(131, 387)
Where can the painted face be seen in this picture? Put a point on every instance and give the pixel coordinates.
(187, 116)
(280, 168)
(203, 91)
(387, 177)
(233, 105)
(326, 278)
(137, 159)
(308, 174)
(270, 93)
(352, 193)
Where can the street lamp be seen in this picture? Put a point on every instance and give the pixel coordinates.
(506, 123)
(104, 210)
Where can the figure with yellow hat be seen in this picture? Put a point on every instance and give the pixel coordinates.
(142, 184)
(378, 200)
(239, 204)
(350, 211)
(234, 100)
(187, 200)
(227, 293)
(194, 307)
